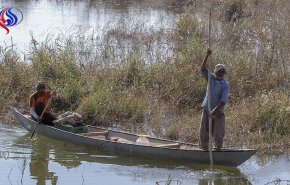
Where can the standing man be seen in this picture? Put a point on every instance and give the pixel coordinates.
(219, 96)
(38, 101)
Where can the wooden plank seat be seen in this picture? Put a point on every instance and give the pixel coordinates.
(170, 145)
(91, 134)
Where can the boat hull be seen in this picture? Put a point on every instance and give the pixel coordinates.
(226, 157)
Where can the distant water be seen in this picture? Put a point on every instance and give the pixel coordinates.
(48, 17)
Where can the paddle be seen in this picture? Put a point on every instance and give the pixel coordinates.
(209, 96)
(35, 127)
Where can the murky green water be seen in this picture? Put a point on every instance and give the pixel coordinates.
(47, 161)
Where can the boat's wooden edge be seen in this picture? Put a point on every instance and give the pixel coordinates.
(166, 140)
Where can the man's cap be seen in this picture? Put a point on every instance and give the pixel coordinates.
(219, 67)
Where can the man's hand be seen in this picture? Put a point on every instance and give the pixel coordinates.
(39, 120)
(209, 52)
(214, 112)
(204, 63)
(53, 93)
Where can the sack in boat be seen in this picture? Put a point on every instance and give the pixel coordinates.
(71, 118)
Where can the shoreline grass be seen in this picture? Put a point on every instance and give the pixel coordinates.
(148, 80)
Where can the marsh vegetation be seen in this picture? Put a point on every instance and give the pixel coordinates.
(147, 80)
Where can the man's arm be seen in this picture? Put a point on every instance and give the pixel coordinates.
(204, 63)
(32, 107)
(33, 113)
(50, 93)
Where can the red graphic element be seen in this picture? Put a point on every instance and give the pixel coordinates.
(3, 21)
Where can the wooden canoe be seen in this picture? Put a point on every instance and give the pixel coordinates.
(125, 143)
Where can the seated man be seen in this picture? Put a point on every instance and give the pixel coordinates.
(38, 101)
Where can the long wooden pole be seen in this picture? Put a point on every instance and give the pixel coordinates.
(209, 95)
(35, 127)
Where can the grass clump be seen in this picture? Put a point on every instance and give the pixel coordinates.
(107, 107)
(263, 119)
(234, 10)
(272, 116)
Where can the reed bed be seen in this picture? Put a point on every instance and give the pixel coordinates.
(147, 80)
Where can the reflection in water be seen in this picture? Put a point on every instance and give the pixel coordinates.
(39, 163)
(45, 150)
(55, 162)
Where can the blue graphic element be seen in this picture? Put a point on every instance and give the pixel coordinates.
(8, 18)
(12, 18)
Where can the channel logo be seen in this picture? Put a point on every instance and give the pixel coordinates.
(9, 17)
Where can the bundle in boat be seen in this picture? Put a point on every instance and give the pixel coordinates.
(71, 122)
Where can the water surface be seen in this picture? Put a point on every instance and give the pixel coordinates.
(47, 161)
(45, 18)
